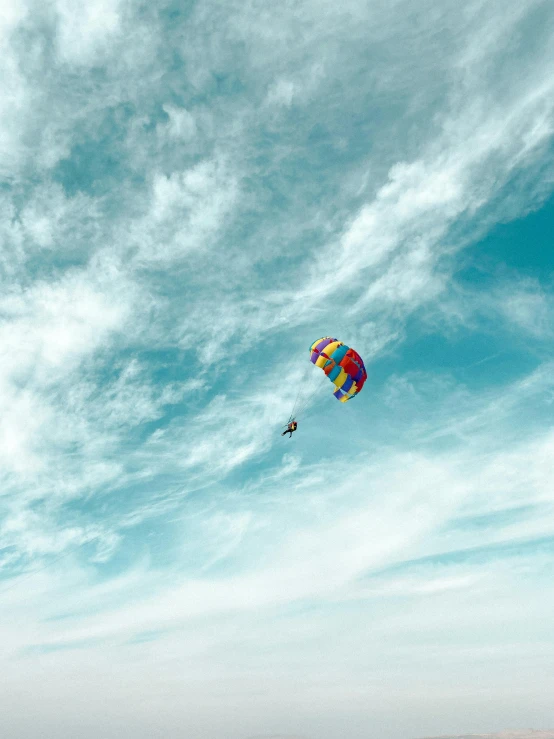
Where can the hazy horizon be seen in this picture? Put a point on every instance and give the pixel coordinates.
(506, 734)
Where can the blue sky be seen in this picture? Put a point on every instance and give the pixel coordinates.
(190, 195)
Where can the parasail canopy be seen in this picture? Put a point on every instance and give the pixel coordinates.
(342, 365)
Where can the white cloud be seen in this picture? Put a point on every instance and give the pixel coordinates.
(392, 255)
(48, 328)
(281, 93)
(187, 212)
(86, 32)
(181, 125)
(51, 220)
(380, 509)
(15, 92)
(529, 309)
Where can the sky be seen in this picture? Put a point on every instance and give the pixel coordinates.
(192, 193)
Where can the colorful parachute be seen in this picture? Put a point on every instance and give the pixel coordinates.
(342, 365)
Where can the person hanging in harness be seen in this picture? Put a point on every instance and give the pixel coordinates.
(291, 428)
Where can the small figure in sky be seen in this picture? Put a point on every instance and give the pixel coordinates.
(291, 428)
